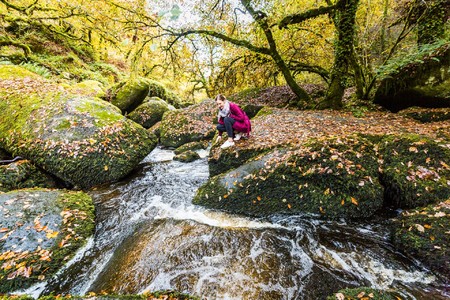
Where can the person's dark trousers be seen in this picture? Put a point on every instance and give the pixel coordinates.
(227, 126)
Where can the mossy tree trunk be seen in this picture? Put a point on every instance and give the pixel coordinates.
(345, 27)
(431, 26)
(261, 20)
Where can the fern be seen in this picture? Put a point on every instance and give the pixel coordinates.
(33, 67)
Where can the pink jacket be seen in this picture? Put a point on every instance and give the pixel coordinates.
(242, 123)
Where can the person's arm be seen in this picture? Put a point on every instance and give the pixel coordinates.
(236, 113)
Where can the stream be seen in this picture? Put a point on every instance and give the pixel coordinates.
(149, 236)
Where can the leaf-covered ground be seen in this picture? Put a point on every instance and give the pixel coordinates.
(274, 127)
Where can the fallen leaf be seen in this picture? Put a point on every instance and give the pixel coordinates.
(354, 201)
(419, 227)
(360, 295)
(340, 296)
(52, 234)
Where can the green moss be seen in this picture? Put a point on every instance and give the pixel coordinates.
(149, 113)
(130, 94)
(266, 110)
(103, 112)
(67, 221)
(23, 174)
(194, 123)
(364, 293)
(192, 146)
(415, 171)
(231, 158)
(427, 115)
(245, 94)
(16, 72)
(187, 156)
(100, 145)
(332, 177)
(423, 234)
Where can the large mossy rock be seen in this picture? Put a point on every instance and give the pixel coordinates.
(423, 233)
(415, 171)
(191, 124)
(91, 88)
(421, 80)
(42, 229)
(150, 112)
(23, 174)
(82, 140)
(331, 177)
(129, 94)
(156, 89)
(295, 163)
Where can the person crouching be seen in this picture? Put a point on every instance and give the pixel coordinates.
(232, 120)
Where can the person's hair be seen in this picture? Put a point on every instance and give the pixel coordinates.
(220, 97)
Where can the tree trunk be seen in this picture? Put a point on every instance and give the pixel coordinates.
(345, 26)
(261, 19)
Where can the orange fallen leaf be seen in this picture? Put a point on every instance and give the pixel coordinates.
(52, 234)
(3, 230)
(354, 201)
(289, 206)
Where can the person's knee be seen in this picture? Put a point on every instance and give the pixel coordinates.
(228, 120)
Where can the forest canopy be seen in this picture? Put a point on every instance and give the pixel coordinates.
(200, 48)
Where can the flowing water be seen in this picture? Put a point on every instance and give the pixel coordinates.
(150, 236)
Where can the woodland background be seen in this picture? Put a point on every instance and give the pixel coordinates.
(201, 48)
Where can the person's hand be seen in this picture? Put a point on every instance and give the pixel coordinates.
(219, 137)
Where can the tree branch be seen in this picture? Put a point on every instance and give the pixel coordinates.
(223, 37)
(312, 13)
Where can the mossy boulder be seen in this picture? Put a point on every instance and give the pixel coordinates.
(149, 113)
(187, 156)
(157, 89)
(202, 145)
(91, 88)
(364, 293)
(81, 140)
(423, 234)
(416, 170)
(422, 79)
(128, 95)
(193, 123)
(42, 229)
(331, 177)
(23, 174)
(427, 115)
